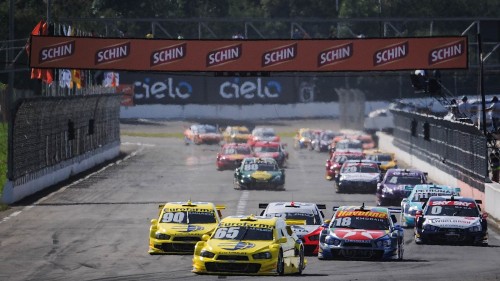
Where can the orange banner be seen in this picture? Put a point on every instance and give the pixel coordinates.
(311, 55)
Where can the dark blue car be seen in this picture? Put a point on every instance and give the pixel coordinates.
(397, 184)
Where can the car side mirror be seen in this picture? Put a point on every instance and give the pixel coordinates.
(404, 200)
(205, 237)
(394, 219)
(394, 234)
(484, 215)
(154, 222)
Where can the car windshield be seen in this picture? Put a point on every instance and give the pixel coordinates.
(359, 169)
(237, 150)
(189, 217)
(207, 129)
(260, 167)
(368, 220)
(267, 133)
(349, 145)
(260, 149)
(306, 134)
(327, 137)
(243, 233)
(308, 217)
(425, 194)
(452, 208)
(342, 158)
(404, 180)
(380, 157)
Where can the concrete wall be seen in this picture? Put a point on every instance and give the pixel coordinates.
(59, 173)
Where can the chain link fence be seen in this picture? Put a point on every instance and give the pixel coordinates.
(456, 148)
(49, 131)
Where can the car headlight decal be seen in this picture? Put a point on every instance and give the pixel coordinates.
(332, 241)
(162, 236)
(262, 256)
(207, 254)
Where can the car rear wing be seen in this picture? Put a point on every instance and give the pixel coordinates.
(160, 207)
(295, 222)
(321, 206)
(394, 210)
(263, 205)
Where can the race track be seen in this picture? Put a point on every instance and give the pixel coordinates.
(97, 228)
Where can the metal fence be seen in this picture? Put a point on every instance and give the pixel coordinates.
(51, 130)
(457, 148)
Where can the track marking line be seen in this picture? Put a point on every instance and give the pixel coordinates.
(141, 147)
(242, 203)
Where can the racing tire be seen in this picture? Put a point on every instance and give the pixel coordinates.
(301, 261)
(404, 224)
(400, 251)
(280, 266)
(236, 185)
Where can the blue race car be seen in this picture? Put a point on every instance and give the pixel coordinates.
(413, 203)
(362, 233)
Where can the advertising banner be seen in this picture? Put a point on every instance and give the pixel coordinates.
(157, 88)
(311, 55)
(251, 90)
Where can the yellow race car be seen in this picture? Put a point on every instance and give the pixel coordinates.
(180, 225)
(250, 245)
(386, 160)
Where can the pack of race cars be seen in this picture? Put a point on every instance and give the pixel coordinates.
(277, 241)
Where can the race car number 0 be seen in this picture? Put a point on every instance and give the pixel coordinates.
(227, 232)
(343, 221)
(436, 210)
(173, 217)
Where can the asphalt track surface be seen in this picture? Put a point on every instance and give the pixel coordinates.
(96, 227)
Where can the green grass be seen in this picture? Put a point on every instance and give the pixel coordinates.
(3, 159)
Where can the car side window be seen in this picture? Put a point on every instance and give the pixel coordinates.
(289, 230)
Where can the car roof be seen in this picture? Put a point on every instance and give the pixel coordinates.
(233, 144)
(291, 205)
(266, 143)
(242, 220)
(377, 152)
(361, 161)
(375, 209)
(260, 160)
(189, 205)
(408, 172)
(449, 198)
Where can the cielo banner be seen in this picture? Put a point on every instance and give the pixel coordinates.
(311, 55)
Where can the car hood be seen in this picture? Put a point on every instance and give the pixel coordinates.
(451, 221)
(267, 154)
(396, 187)
(210, 135)
(227, 246)
(261, 175)
(360, 176)
(236, 156)
(358, 234)
(302, 230)
(181, 229)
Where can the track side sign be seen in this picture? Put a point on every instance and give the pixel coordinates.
(311, 55)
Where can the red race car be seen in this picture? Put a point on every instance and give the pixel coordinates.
(334, 163)
(231, 155)
(202, 133)
(267, 149)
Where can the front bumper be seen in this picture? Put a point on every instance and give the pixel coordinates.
(451, 235)
(228, 164)
(260, 184)
(157, 246)
(234, 264)
(353, 250)
(357, 186)
(392, 199)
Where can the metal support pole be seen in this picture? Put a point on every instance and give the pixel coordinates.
(10, 94)
(483, 102)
